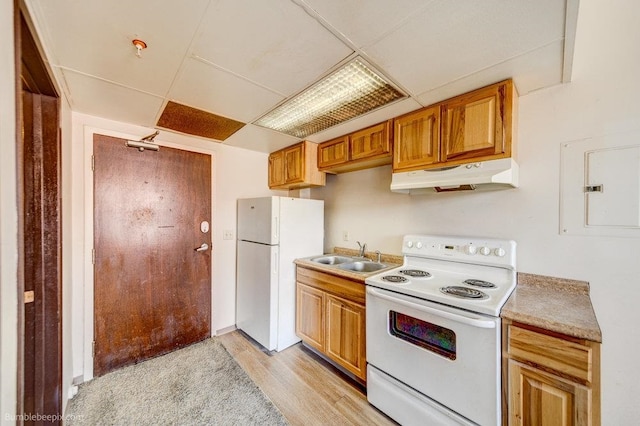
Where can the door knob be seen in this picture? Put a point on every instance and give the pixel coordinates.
(203, 247)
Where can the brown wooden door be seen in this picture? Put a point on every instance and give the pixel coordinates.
(152, 289)
(41, 256)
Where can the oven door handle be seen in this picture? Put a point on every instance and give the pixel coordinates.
(474, 322)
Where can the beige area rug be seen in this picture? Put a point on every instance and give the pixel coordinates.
(198, 385)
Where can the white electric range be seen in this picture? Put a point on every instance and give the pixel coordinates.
(433, 330)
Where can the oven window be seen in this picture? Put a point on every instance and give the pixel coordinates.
(429, 336)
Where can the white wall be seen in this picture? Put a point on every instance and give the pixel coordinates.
(603, 98)
(237, 173)
(67, 261)
(8, 217)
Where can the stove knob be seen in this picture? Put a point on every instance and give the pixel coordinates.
(418, 245)
(485, 251)
(471, 250)
(499, 252)
(409, 244)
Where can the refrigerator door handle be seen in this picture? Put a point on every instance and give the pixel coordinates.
(275, 263)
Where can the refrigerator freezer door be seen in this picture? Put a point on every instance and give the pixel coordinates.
(258, 220)
(257, 292)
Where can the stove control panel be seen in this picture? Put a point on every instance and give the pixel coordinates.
(483, 251)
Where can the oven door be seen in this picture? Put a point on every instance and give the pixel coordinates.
(449, 355)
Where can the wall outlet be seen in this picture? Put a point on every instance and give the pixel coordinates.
(228, 234)
(345, 235)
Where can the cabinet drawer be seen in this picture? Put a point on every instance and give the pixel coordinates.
(350, 290)
(565, 357)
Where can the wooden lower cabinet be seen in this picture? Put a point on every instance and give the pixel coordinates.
(330, 317)
(310, 315)
(345, 330)
(541, 398)
(552, 379)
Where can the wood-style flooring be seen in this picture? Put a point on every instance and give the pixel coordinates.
(306, 389)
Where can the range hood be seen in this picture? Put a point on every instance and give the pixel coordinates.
(485, 175)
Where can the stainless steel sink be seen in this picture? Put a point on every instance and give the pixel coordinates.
(362, 266)
(331, 259)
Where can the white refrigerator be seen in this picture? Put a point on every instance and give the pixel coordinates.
(272, 232)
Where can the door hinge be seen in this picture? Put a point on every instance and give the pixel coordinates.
(93, 162)
(93, 256)
(93, 349)
(29, 296)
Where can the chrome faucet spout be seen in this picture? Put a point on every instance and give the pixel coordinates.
(363, 248)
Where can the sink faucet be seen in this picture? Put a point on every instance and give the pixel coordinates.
(363, 247)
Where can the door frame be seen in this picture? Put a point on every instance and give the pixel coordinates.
(38, 79)
(88, 306)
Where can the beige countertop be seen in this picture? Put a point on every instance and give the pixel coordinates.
(554, 304)
(391, 260)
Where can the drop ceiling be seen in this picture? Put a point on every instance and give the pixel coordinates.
(240, 58)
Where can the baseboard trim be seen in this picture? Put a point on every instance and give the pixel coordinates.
(225, 330)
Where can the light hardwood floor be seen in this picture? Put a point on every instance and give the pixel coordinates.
(305, 388)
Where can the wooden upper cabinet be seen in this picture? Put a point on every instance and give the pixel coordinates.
(333, 152)
(370, 147)
(476, 126)
(295, 167)
(416, 139)
(276, 169)
(294, 163)
(370, 142)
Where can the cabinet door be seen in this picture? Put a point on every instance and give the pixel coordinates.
(333, 152)
(310, 315)
(370, 142)
(294, 162)
(539, 398)
(416, 139)
(473, 125)
(276, 169)
(345, 339)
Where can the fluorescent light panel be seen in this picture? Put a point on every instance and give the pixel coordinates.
(353, 90)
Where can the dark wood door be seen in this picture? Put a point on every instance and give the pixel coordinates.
(152, 289)
(39, 368)
(40, 232)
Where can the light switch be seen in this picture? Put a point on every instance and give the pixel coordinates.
(228, 234)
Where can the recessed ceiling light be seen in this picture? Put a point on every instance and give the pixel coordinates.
(353, 90)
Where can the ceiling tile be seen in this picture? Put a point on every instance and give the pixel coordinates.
(103, 99)
(274, 43)
(364, 22)
(206, 87)
(533, 71)
(260, 139)
(94, 37)
(450, 40)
